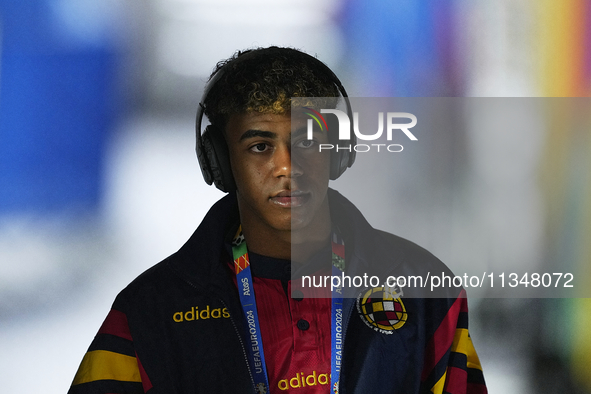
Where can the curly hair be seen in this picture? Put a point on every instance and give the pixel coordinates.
(264, 80)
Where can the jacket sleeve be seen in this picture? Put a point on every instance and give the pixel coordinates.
(451, 363)
(111, 364)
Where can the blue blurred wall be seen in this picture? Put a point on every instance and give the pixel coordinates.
(403, 48)
(58, 101)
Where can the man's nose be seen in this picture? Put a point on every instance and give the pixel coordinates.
(285, 165)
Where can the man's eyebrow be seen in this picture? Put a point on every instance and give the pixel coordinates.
(298, 132)
(257, 133)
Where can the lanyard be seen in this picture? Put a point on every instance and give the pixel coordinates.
(247, 299)
(336, 331)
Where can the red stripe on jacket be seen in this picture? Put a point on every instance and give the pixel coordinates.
(444, 335)
(116, 324)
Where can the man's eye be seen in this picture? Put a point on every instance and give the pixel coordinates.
(305, 144)
(259, 147)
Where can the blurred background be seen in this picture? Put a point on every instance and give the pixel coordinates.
(99, 180)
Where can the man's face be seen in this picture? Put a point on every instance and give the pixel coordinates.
(281, 177)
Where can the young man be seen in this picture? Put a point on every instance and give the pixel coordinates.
(220, 315)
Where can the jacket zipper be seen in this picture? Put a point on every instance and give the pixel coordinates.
(235, 330)
(241, 344)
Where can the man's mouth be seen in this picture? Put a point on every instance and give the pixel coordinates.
(290, 198)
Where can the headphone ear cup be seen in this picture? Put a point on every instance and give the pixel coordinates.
(215, 160)
(340, 159)
(333, 139)
(203, 147)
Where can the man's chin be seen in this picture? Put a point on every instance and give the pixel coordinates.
(300, 220)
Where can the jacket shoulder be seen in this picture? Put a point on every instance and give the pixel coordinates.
(155, 280)
(416, 262)
(411, 251)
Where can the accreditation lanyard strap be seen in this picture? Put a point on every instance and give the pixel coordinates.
(249, 307)
(247, 299)
(336, 349)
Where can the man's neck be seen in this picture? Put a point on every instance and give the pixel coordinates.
(277, 244)
(284, 244)
(297, 245)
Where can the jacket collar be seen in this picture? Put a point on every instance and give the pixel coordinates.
(200, 260)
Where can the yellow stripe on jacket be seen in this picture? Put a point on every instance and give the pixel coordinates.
(463, 344)
(104, 365)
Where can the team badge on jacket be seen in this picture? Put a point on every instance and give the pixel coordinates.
(382, 309)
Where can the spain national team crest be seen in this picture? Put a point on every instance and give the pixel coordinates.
(382, 309)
